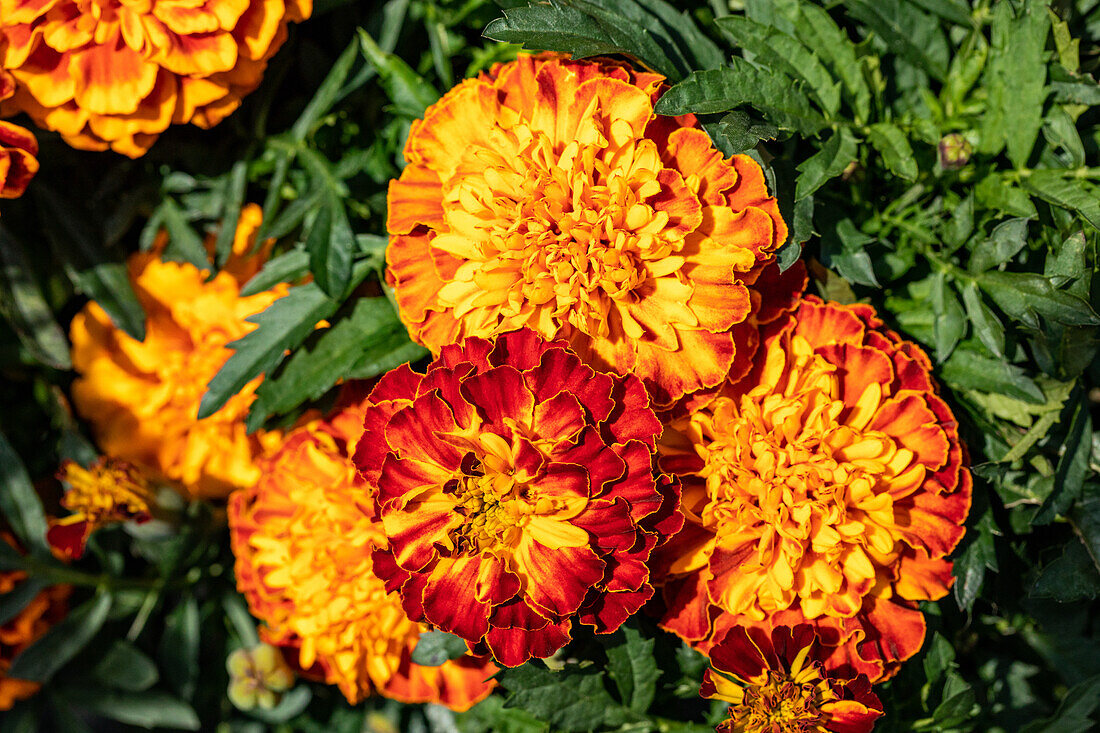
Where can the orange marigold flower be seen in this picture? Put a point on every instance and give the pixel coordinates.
(117, 73)
(546, 194)
(45, 609)
(828, 486)
(515, 485)
(108, 492)
(18, 149)
(776, 683)
(303, 538)
(142, 397)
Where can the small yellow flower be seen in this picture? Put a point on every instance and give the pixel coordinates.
(257, 677)
(107, 492)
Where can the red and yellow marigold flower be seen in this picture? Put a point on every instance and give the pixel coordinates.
(108, 492)
(45, 610)
(142, 397)
(776, 683)
(117, 73)
(826, 486)
(18, 149)
(515, 484)
(546, 194)
(303, 537)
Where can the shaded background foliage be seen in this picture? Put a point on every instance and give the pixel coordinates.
(937, 158)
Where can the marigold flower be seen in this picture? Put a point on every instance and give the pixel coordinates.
(303, 537)
(515, 485)
(776, 683)
(18, 149)
(546, 194)
(257, 677)
(45, 609)
(108, 492)
(117, 73)
(142, 397)
(826, 486)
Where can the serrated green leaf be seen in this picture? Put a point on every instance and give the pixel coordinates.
(1007, 238)
(939, 657)
(147, 709)
(1069, 193)
(1014, 80)
(721, 90)
(978, 554)
(956, 708)
(573, 699)
(966, 68)
(1024, 295)
(893, 146)
(19, 502)
(968, 369)
(773, 48)
(949, 324)
(1073, 465)
(631, 666)
(287, 267)
(26, 309)
(987, 327)
(846, 252)
(817, 30)
(829, 162)
(553, 28)
(330, 244)
(914, 34)
(997, 192)
(125, 667)
(62, 642)
(179, 648)
(742, 131)
(956, 11)
(410, 93)
(436, 647)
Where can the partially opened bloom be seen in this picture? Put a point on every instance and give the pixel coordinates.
(257, 677)
(546, 194)
(45, 610)
(303, 538)
(776, 683)
(826, 486)
(117, 73)
(142, 397)
(18, 149)
(108, 492)
(515, 484)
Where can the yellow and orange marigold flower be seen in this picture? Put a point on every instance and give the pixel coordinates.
(515, 484)
(546, 194)
(108, 492)
(117, 73)
(826, 486)
(776, 683)
(45, 610)
(18, 149)
(142, 397)
(303, 537)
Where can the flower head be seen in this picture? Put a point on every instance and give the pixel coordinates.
(828, 486)
(18, 149)
(108, 492)
(142, 397)
(516, 488)
(117, 73)
(303, 538)
(546, 194)
(776, 683)
(44, 611)
(257, 677)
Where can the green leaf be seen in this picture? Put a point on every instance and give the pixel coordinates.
(436, 647)
(490, 716)
(179, 648)
(1024, 295)
(632, 667)
(1073, 465)
(410, 93)
(978, 555)
(330, 244)
(1085, 518)
(56, 647)
(573, 699)
(956, 11)
(891, 143)
(1074, 712)
(19, 502)
(16, 599)
(26, 309)
(1069, 193)
(235, 186)
(146, 709)
(949, 324)
(1008, 238)
(184, 243)
(331, 90)
(969, 369)
(820, 32)
(125, 667)
(998, 192)
(987, 327)
(1071, 577)
(915, 35)
(743, 131)
(287, 267)
(773, 48)
(1014, 80)
(720, 90)
(846, 252)
(957, 707)
(829, 162)
(939, 657)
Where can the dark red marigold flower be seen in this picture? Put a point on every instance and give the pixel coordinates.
(516, 487)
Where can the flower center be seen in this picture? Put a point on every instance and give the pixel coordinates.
(801, 490)
(492, 504)
(562, 231)
(779, 705)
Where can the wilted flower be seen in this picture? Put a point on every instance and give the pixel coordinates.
(546, 194)
(303, 538)
(44, 610)
(117, 73)
(142, 397)
(108, 492)
(828, 486)
(257, 677)
(515, 485)
(18, 149)
(776, 683)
